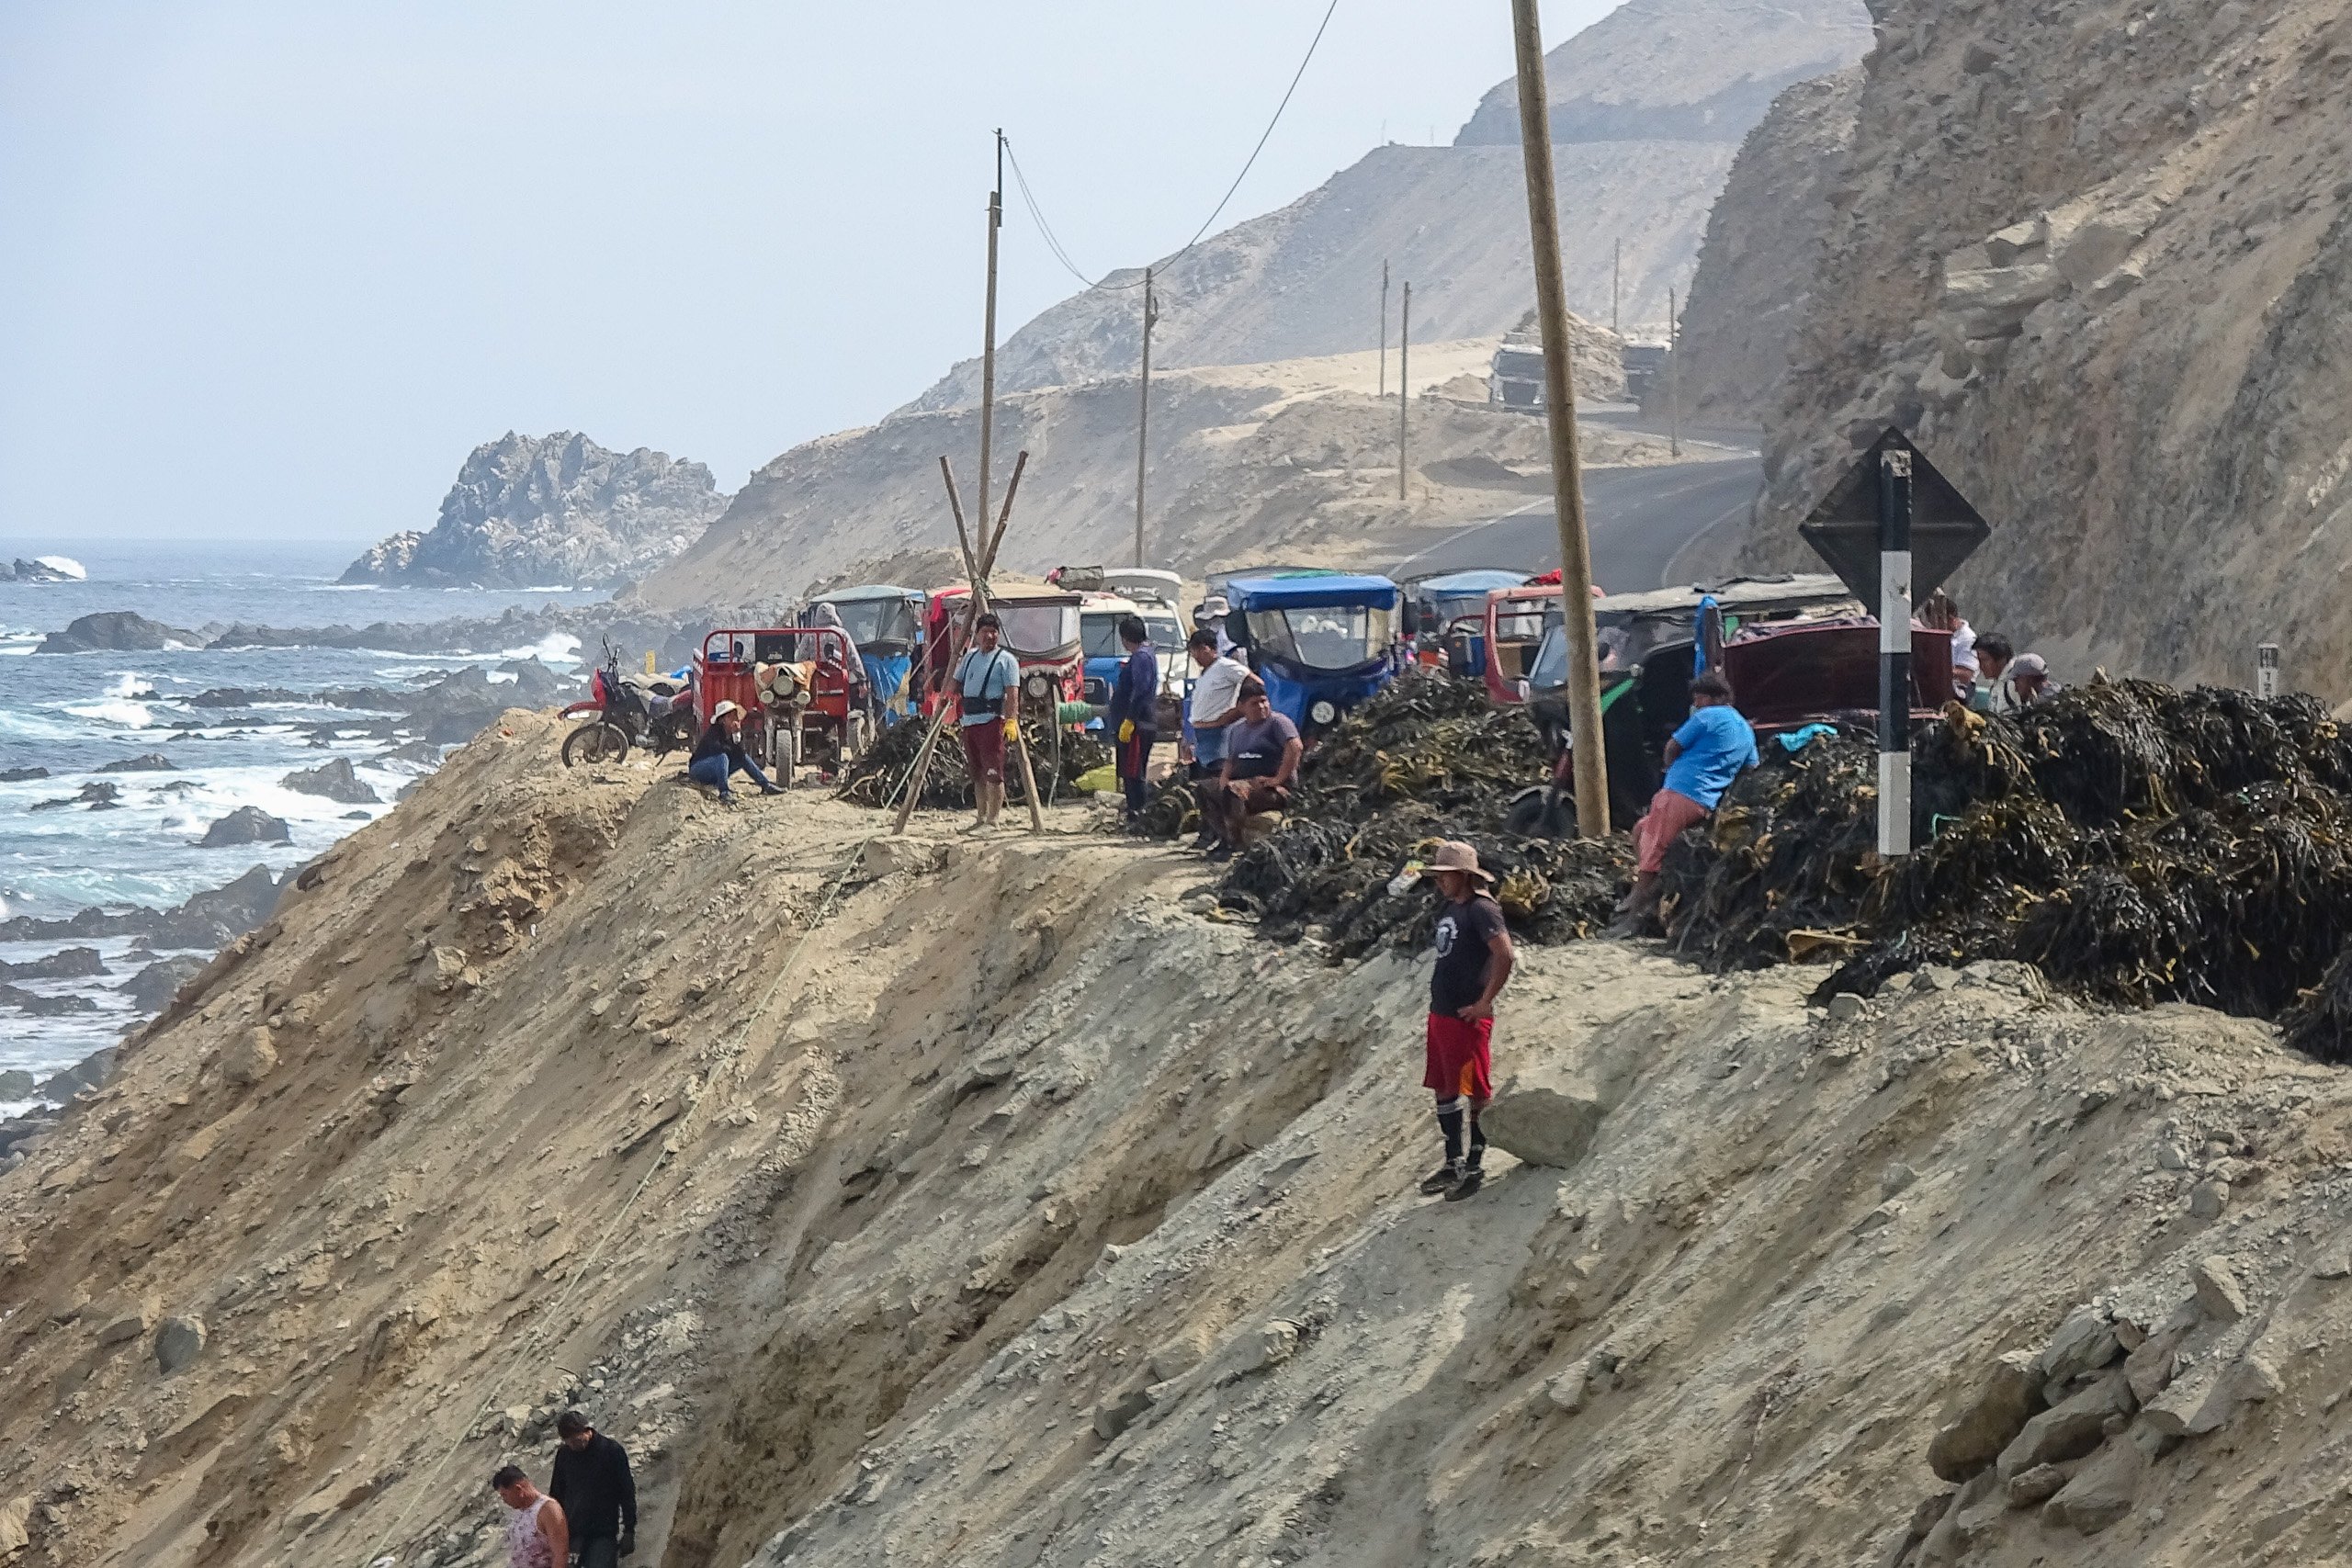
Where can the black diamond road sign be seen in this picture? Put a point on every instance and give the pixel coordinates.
(1843, 530)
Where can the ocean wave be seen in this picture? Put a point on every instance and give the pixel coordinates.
(123, 715)
(130, 683)
(556, 648)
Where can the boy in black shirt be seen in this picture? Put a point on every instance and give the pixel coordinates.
(1474, 962)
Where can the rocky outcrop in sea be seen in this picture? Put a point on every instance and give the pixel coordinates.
(552, 510)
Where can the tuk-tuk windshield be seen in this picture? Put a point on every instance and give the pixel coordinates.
(1100, 630)
(1039, 629)
(874, 623)
(1526, 620)
(1168, 634)
(1322, 636)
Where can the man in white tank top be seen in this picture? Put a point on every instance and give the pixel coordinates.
(535, 1533)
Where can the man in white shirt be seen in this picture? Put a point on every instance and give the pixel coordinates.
(1215, 703)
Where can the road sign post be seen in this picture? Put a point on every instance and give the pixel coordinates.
(1895, 654)
(1894, 529)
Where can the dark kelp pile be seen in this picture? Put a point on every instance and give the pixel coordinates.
(2140, 844)
(1428, 758)
(874, 778)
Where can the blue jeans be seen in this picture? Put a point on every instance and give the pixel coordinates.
(714, 770)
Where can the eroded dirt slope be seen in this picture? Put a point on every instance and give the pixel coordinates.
(1030, 1213)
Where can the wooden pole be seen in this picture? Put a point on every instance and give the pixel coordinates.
(1384, 329)
(1673, 374)
(988, 340)
(1404, 386)
(1616, 285)
(1143, 409)
(1560, 414)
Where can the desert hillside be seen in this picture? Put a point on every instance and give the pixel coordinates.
(2097, 257)
(1648, 105)
(956, 1203)
(1247, 462)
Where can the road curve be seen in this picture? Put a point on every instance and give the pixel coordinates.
(1639, 519)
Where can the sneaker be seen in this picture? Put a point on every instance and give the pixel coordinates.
(1220, 854)
(1472, 1179)
(1442, 1179)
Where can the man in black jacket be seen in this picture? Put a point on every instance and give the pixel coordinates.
(592, 1485)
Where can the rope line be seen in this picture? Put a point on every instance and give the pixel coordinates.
(1053, 241)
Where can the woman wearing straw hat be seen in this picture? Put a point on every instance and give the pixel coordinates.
(1474, 963)
(721, 751)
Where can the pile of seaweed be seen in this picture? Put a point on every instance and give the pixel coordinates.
(2139, 843)
(1428, 758)
(874, 778)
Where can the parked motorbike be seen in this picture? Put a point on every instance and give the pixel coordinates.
(625, 710)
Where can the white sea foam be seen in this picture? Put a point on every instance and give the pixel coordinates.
(66, 565)
(556, 648)
(130, 683)
(125, 714)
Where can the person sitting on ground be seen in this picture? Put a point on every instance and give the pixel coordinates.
(535, 1533)
(2029, 679)
(988, 686)
(1992, 693)
(720, 752)
(1133, 716)
(1474, 962)
(591, 1482)
(1215, 705)
(1261, 759)
(1713, 747)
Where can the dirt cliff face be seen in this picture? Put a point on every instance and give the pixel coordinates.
(1005, 1202)
(1754, 282)
(2097, 256)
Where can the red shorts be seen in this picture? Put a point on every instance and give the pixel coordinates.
(1669, 814)
(1461, 1057)
(984, 749)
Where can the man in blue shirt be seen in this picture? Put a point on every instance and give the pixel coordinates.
(1134, 713)
(1713, 747)
(988, 691)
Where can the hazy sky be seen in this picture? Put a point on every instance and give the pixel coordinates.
(269, 269)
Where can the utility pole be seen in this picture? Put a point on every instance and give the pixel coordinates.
(1673, 374)
(1384, 329)
(988, 346)
(1404, 386)
(1143, 411)
(1560, 415)
(1616, 285)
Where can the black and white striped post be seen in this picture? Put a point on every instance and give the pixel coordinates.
(1894, 653)
(2265, 670)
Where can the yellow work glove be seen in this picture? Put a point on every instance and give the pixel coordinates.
(1126, 729)
(1011, 729)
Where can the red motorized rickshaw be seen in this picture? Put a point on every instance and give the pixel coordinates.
(796, 687)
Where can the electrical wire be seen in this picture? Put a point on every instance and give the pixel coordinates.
(1053, 243)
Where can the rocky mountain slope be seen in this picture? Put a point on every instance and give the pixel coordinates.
(541, 511)
(1247, 462)
(1756, 268)
(1026, 1213)
(2097, 257)
(1648, 105)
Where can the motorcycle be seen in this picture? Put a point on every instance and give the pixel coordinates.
(626, 710)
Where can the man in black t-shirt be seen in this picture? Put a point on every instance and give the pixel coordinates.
(1474, 963)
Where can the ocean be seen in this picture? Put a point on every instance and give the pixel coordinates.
(73, 713)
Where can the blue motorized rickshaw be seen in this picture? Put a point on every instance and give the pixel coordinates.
(886, 621)
(1322, 643)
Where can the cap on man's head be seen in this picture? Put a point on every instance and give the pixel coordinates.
(2029, 664)
(571, 1424)
(1455, 855)
(507, 1475)
(723, 709)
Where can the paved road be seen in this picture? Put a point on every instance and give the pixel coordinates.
(1639, 517)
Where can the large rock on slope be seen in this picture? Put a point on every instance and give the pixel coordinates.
(551, 510)
(1763, 247)
(2096, 257)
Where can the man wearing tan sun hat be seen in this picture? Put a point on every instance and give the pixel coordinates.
(1474, 963)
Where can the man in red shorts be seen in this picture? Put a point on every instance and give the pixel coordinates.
(988, 691)
(1474, 963)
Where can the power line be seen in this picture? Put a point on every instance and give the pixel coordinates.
(1053, 243)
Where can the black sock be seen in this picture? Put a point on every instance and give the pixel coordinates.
(1477, 1142)
(1449, 1120)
